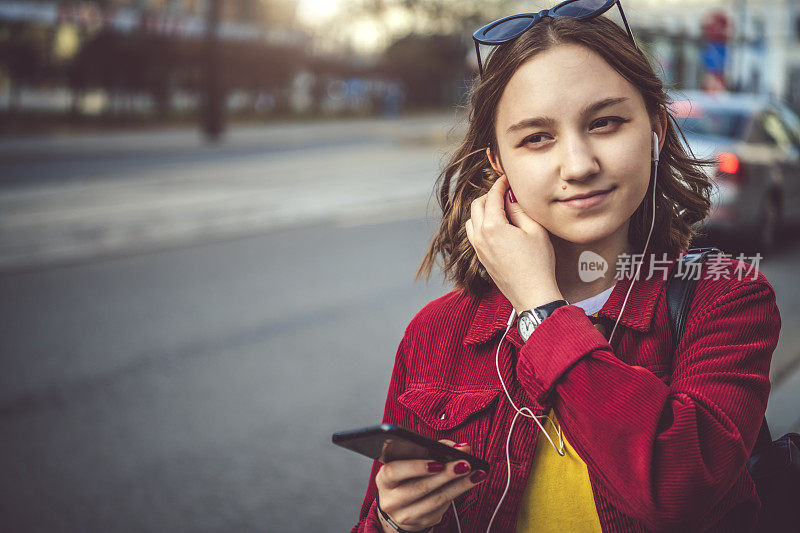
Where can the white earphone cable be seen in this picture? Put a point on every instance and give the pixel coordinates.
(647, 241)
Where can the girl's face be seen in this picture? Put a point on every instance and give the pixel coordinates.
(567, 118)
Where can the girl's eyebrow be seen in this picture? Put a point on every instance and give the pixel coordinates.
(549, 122)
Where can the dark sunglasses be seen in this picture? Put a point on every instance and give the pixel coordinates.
(509, 28)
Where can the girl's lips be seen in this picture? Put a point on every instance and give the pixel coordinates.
(588, 202)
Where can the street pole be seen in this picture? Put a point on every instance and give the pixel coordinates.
(740, 31)
(213, 113)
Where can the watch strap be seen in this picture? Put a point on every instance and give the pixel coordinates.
(544, 311)
(536, 316)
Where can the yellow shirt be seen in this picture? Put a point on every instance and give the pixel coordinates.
(558, 496)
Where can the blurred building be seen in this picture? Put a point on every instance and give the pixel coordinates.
(242, 19)
(142, 58)
(137, 56)
(758, 51)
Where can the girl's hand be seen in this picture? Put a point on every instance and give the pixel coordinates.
(518, 256)
(416, 493)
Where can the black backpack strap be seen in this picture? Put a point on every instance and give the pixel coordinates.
(764, 436)
(680, 291)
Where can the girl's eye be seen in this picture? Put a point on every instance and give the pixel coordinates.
(606, 121)
(536, 138)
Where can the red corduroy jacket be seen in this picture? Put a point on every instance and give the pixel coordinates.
(665, 430)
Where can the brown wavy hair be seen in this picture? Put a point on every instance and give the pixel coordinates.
(683, 184)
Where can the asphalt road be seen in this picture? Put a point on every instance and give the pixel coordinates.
(196, 389)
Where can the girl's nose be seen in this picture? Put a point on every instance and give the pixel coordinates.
(578, 160)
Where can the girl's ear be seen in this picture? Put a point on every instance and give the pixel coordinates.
(494, 162)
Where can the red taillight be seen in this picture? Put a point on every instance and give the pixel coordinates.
(730, 169)
(727, 163)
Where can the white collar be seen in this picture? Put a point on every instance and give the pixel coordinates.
(593, 304)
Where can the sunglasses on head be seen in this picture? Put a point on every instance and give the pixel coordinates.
(509, 28)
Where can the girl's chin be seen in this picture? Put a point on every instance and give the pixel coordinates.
(582, 237)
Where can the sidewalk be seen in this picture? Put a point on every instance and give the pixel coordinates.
(426, 128)
(143, 191)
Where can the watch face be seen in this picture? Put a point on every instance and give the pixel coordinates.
(526, 326)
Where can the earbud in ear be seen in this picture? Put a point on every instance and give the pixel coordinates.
(655, 147)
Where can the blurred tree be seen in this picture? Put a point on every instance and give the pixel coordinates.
(280, 13)
(160, 71)
(122, 65)
(444, 17)
(23, 57)
(151, 60)
(429, 52)
(427, 65)
(212, 117)
(256, 67)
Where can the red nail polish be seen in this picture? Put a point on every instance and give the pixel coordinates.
(462, 444)
(477, 476)
(511, 196)
(435, 467)
(461, 468)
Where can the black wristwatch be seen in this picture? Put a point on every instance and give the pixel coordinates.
(530, 320)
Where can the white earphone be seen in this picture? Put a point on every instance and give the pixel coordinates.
(655, 148)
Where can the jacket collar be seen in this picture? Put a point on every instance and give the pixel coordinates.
(494, 308)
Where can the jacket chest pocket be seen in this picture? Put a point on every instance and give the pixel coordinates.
(460, 416)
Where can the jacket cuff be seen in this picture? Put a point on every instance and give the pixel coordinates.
(554, 346)
(372, 524)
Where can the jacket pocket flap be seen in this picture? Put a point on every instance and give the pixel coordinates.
(444, 409)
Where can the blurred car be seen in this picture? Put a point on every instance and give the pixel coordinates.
(755, 140)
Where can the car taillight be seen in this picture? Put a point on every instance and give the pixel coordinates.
(729, 168)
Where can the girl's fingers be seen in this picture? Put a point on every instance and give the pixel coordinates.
(463, 446)
(477, 212)
(519, 218)
(395, 473)
(402, 483)
(417, 498)
(436, 499)
(494, 203)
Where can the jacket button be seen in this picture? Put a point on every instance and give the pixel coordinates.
(443, 416)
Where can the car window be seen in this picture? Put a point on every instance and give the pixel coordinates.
(694, 118)
(758, 133)
(791, 122)
(774, 128)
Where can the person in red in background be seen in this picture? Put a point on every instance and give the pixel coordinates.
(591, 416)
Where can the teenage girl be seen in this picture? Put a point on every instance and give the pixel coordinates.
(564, 211)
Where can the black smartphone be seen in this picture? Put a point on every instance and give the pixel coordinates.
(390, 442)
